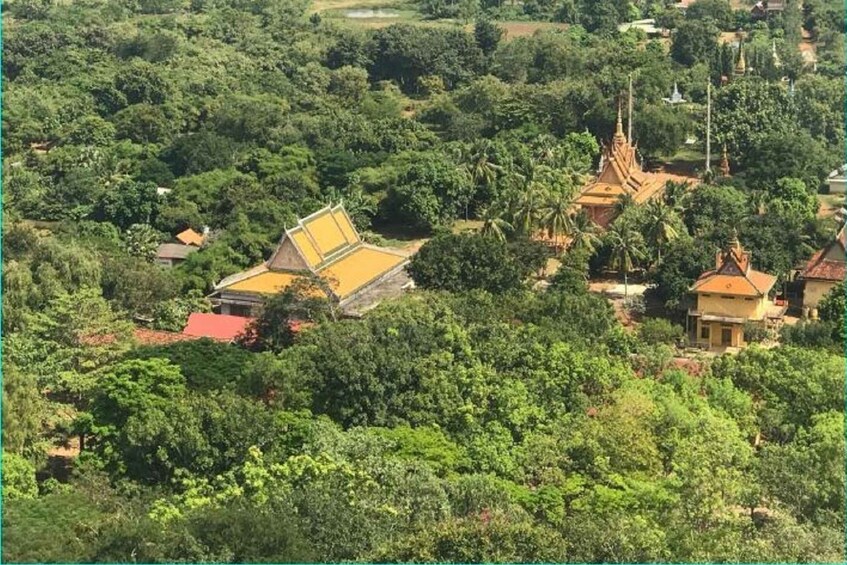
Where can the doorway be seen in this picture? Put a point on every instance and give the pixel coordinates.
(726, 336)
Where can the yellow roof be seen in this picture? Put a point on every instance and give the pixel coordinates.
(357, 269)
(326, 233)
(268, 282)
(307, 250)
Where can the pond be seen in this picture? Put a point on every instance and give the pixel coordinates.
(366, 14)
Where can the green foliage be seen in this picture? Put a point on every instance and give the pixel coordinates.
(18, 478)
(657, 330)
(464, 262)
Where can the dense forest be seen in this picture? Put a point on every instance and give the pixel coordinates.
(477, 419)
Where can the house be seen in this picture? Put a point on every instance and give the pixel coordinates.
(219, 327)
(763, 8)
(172, 254)
(620, 174)
(648, 26)
(837, 180)
(191, 237)
(730, 296)
(325, 245)
(824, 270)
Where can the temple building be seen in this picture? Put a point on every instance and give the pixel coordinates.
(620, 174)
(730, 296)
(824, 270)
(325, 245)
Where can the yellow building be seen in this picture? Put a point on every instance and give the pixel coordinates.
(324, 244)
(824, 270)
(620, 174)
(730, 296)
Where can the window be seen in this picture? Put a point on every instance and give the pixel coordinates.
(707, 295)
(749, 299)
(704, 332)
(728, 297)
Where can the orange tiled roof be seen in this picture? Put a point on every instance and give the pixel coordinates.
(190, 237)
(828, 264)
(734, 276)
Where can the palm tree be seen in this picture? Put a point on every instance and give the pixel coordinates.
(675, 193)
(477, 161)
(627, 247)
(583, 233)
(661, 221)
(494, 225)
(624, 203)
(556, 216)
(527, 209)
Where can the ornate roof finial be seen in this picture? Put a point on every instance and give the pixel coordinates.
(734, 242)
(724, 162)
(619, 129)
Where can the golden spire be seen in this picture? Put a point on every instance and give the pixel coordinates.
(741, 65)
(619, 130)
(724, 162)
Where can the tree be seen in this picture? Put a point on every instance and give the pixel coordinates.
(832, 308)
(18, 478)
(686, 259)
(487, 35)
(780, 155)
(695, 41)
(661, 225)
(660, 130)
(493, 224)
(464, 262)
(303, 302)
(626, 246)
(583, 233)
(556, 216)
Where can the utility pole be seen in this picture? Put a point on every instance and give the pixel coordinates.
(708, 127)
(629, 118)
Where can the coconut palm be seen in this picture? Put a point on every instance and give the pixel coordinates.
(661, 222)
(627, 246)
(675, 193)
(477, 161)
(583, 233)
(493, 224)
(556, 215)
(528, 207)
(624, 203)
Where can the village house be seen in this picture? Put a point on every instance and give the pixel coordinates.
(324, 245)
(730, 296)
(824, 270)
(837, 180)
(172, 254)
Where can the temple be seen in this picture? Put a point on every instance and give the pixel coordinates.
(731, 296)
(620, 174)
(324, 245)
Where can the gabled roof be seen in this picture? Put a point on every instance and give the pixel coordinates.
(174, 251)
(620, 174)
(734, 276)
(324, 244)
(216, 326)
(830, 263)
(190, 237)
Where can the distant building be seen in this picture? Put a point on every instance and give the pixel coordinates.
(172, 254)
(647, 26)
(764, 8)
(325, 245)
(824, 270)
(219, 327)
(730, 296)
(620, 174)
(676, 97)
(190, 237)
(837, 180)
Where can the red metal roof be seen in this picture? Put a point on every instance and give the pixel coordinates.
(216, 326)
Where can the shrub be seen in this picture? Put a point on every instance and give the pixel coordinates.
(657, 330)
